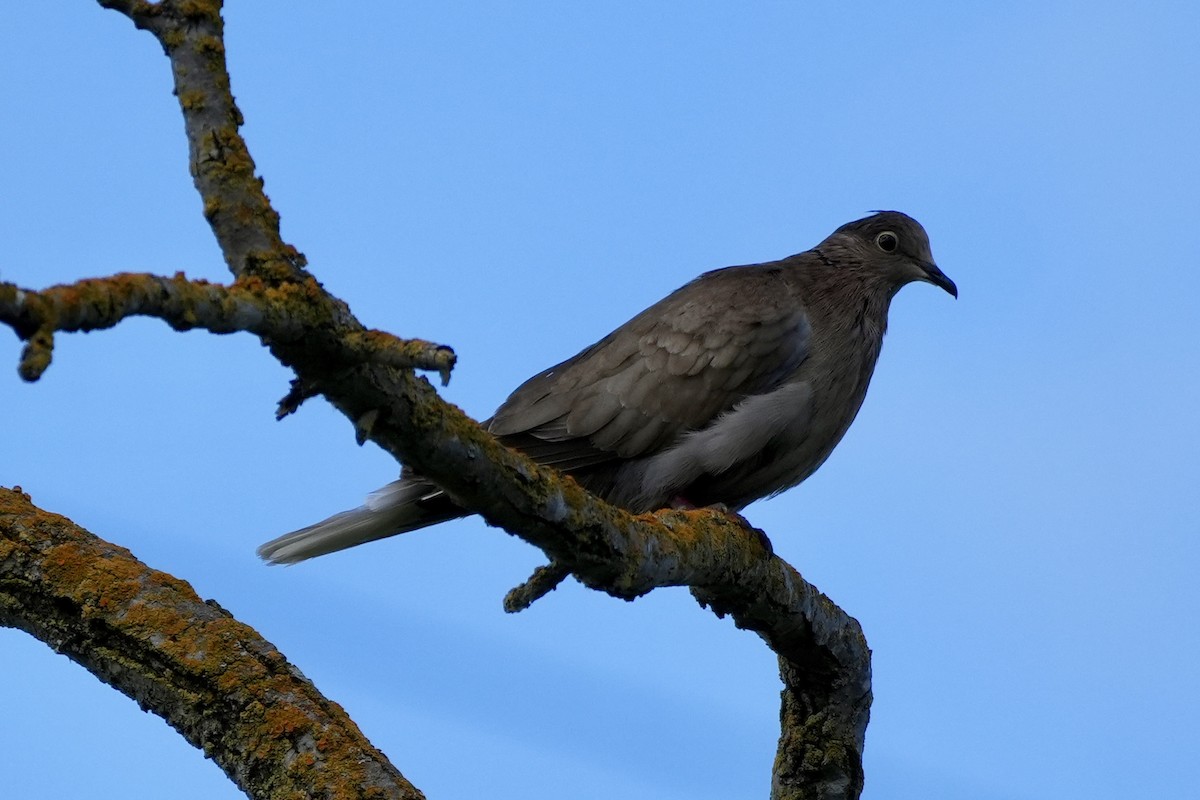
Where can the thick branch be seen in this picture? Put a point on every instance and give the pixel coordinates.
(822, 724)
(224, 688)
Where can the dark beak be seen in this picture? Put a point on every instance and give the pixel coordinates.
(938, 278)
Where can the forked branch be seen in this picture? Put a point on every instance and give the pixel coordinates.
(825, 662)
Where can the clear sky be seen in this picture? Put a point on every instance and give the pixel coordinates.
(1013, 517)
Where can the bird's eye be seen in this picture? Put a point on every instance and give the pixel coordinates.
(887, 242)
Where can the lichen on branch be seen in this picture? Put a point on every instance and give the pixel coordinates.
(825, 662)
(283, 313)
(225, 689)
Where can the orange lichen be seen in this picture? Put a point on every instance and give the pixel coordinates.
(284, 720)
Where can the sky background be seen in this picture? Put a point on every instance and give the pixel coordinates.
(1013, 517)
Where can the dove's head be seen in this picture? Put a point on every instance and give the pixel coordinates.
(893, 245)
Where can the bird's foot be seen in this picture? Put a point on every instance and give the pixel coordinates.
(681, 503)
(759, 533)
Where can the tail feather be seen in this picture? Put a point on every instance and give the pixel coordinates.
(399, 507)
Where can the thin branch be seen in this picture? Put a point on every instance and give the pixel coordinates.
(235, 205)
(543, 581)
(142, 13)
(282, 313)
(225, 689)
(383, 348)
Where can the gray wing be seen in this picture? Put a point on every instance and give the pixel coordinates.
(673, 368)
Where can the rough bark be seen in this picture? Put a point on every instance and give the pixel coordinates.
(825, 663)
(147, 634)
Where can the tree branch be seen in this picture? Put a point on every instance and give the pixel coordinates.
(825, 663)
(543, 581)
(280, 313)
(225, 689)
(192, 34)
(729, 567)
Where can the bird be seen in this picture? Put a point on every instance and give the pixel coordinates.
(735, 387)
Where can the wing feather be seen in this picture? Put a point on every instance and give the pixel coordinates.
(672, 369)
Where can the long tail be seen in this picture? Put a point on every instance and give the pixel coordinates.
(399, 507)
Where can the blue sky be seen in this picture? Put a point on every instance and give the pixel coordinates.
(1013, 517)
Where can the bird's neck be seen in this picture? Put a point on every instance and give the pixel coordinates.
(849, 318)
(849, 301)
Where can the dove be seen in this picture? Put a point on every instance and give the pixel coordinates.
(732, 388)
